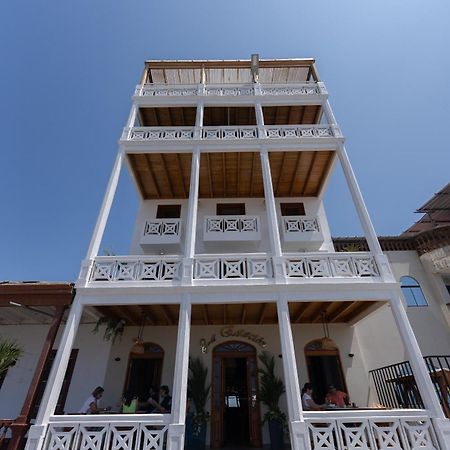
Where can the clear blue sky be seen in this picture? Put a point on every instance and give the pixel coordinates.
(68, 69)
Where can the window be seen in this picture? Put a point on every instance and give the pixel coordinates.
(412, 292)
(292, 209)
(168, 212)
(231, 209)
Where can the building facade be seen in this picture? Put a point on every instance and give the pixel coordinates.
(232, 256)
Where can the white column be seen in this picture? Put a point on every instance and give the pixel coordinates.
(175, 440)
(56, 378)
(106, 208)
(297, 426)
(420, 371)
(191, 219)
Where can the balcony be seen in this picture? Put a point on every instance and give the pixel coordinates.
(283, 134)
(301, 230)
(296, 268)
(231, 228)
(161, 231)
(183, 93)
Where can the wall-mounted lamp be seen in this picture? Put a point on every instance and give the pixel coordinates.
(351, 355)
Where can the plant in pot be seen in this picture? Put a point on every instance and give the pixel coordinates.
(270, 391)
(10, 352)
(198, 387)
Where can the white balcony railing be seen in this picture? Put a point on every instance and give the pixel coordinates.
(161, 231)
(148, 134)
(231, 90)
(295, 267)
(299, 224)
(231, 228)
(233, 267)
(335, 265)
(136, 268)
(103, 432)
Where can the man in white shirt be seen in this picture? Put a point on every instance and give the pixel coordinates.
(90, 406)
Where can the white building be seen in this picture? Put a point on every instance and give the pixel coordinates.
(231, 255)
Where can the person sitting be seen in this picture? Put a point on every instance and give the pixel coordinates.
(90, 406)
(165, 404)
(337, 398)
(148, 404)
(308, 403)
(129, 403)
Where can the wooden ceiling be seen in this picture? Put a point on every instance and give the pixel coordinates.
(231, 174)
(229, 116)
(239, 313)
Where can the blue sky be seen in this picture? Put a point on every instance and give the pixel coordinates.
(68, 70)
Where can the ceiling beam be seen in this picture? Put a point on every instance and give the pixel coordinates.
(341, 310)
(206, 315)
(301, 311)
(152, 175)
(243, 313)
(262, 312)
(294, 177)
(280, 173)
(308, 176)
(180, 169)
(211, 187)
(168, 177)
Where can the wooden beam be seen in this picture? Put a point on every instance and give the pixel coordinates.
(262, 312)
(167, 315)
(206, 315)
(323, 311)
(313, 160)
(302, 310)
(224, 172)
(211, 188)
(238, 177)
(225, 314)
(341, 310)
(243, 313)
(251, 176)
(152, 175)
(294, 177)
(169, 178)
(283, 159)
(180, 169)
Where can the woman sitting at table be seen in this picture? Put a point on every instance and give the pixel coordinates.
(336, 398)
(129, 403)
(308, 403)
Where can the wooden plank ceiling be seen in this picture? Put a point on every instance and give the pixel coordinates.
(231, 174)
(239, 313)
(229, 115)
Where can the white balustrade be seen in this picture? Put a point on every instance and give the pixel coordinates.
(335, 265)
(224, 90)
(384, 430)
(298, 131)
(231, 228)
(131, 433)
(233, 267)
(299, 224)
(142, 268)
(227, 132)
(158, 133)
(161, 231)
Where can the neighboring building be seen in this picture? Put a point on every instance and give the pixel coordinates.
(232, 255)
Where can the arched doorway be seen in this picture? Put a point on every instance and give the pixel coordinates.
(324, 367)
(144, 370)
(235, 412)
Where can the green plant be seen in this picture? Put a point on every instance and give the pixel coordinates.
(271, 390)
(114, 328)
(199, 389)
(10, 352)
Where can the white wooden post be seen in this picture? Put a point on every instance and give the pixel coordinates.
(420, 371)
(297, 426)
(55, 380)
(175, 439)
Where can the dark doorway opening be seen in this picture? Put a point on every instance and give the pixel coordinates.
(235, 416)
(144, 371)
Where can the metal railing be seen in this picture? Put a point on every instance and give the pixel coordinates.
(396, 386)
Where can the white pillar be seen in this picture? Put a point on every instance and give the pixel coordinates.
(55, 379)
(191, 219)
(175, 439)
(420, 371)
(106, 208)
(297, 426)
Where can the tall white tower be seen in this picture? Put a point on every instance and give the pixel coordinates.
(232, 255)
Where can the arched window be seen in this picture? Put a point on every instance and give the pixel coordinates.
(412, 292)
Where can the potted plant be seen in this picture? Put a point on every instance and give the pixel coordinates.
(271, 389)
(196, 421)
(10, 352)
(114, 328)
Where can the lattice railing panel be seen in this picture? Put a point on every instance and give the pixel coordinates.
(298, 224)
(381, 433)
(162, 227)
(229, 90)
(341, 265)
(231, 224)
(305, 89)
(139, 269)
(149, 90)
(159, 133)
(233, 267)
(224, 133)
(105, 436)
(298, 131)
